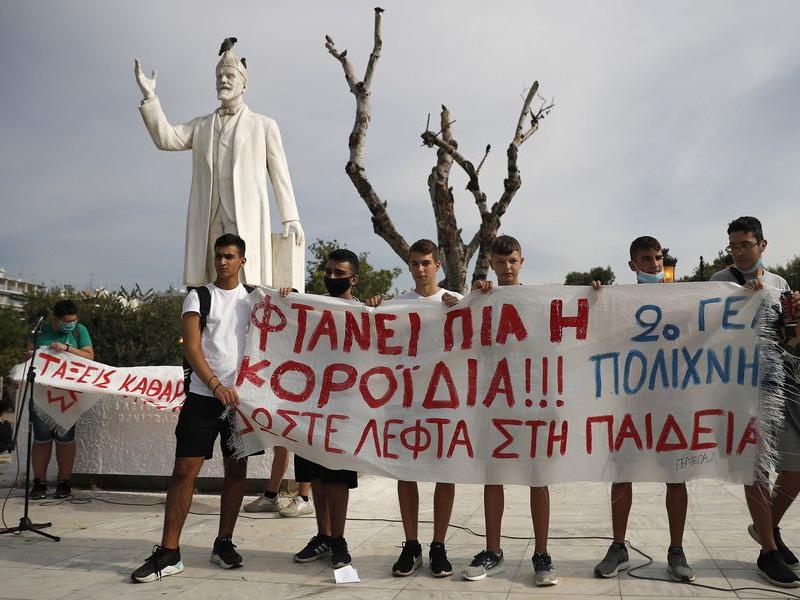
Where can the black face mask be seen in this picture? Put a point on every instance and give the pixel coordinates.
(337, 287)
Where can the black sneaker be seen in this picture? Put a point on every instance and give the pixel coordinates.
(318, 546)
(485, 564)
(410, 559)
(162, 562)
(39, 490)
(787, 555)
(63, 490)
(543, 571)
(440, 566)
(225, 555)
(772, 568)
(339, 555)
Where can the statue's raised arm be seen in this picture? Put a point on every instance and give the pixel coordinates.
(147, 85)
(224, 199)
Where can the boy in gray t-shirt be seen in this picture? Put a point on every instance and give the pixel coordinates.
(767, 507)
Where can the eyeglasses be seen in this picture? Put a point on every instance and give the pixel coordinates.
(742, 246)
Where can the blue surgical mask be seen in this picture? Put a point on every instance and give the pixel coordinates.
(66, 327)
(754, 268)
(643, 277)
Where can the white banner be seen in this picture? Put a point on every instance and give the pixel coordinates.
(527, 384)
(67, 386)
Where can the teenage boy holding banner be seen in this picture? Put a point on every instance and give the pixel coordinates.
(506, 262)
(647, 261)
(423, 263)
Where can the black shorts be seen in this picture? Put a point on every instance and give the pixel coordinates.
(306, 471)
(199, 424)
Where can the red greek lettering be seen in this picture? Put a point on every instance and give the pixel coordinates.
(558, 321)
(627, 431)
(510, 323)
(461, 438)
(48, 360)
(609, 421)
(287, 415)
(440, 372)
(248, 372)
(329, 386)
(750, 436)
(465, 315)
(261, 318)
(353, 333)
(302, 323)
(330, 430)
(389, 436)
(500, 384)
(371, 428)
(561, 438)
(327, 327)
(385, 333)
(305, 375)
(500, 425)
(670, 426)
(416, 445)
(699, 430)
(366, 394)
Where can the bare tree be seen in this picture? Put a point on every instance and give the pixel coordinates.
(455, 253)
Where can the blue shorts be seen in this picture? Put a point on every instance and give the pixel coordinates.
(44, 434)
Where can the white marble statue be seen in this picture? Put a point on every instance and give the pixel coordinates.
(233, 152)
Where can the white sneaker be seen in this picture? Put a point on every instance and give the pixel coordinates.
(264, 504)
(298, 507)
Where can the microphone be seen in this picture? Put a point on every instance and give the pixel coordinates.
(37, 328)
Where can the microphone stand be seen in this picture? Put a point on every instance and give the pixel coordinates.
(25, 523)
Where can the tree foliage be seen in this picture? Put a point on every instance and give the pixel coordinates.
(790, 272)
(127, 329)
(13, 330)
(371, 281)
(704, 271)
(602, 274)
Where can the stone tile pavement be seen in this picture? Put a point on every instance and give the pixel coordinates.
(102, 542)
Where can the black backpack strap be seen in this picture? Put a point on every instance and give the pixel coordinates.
(204, 295)
(738, 275)
(249, 288)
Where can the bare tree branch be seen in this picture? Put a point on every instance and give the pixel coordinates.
(451, 248)
(490, 222)
(376, 48)
(455, 254)
(381, 222)
(483, 160)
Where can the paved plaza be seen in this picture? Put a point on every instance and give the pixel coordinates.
(102, 542)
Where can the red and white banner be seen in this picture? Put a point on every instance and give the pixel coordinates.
(67, 386)
(527, 384)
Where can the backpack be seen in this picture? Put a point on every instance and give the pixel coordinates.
(204, 295)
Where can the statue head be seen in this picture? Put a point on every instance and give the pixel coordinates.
(231, 73)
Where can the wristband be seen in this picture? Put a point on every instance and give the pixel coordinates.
(214, 391)
(212, 379)
(67, 348)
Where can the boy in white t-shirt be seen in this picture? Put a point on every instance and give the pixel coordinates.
(506, 261)
(212, 345)
(424, 265)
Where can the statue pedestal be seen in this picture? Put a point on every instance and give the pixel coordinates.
(126, 444)
(288, 263)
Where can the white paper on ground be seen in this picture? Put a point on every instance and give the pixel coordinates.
(346, 575)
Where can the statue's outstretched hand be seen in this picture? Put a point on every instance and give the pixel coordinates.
(147, 85)
(294, 226)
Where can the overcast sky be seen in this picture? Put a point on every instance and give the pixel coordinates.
(671, 119)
